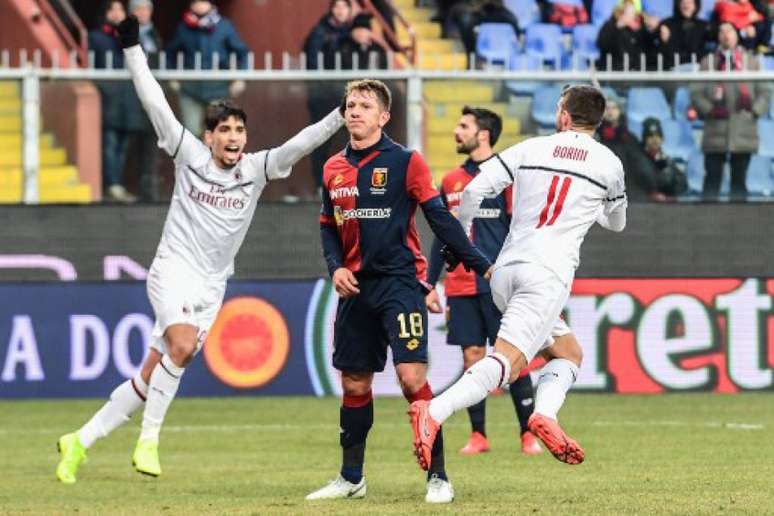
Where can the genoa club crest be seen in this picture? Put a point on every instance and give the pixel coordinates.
(379, 178)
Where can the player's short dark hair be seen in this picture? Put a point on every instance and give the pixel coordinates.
(486, 120)
(220, 110)
(382, 92)
(585, 104)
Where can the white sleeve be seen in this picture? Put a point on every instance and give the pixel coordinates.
(280, 160)
(173, 138)
(497, 173)
(612, 216)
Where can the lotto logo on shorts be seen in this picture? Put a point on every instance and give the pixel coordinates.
(412, 344)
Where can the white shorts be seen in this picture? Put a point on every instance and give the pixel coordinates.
(531, 299)
(181, 296)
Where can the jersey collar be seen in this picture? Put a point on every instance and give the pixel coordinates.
(355, 156)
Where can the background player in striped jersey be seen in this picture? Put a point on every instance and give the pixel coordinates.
(564, 184)
(371, 191)
(471, 315)
(217, 187)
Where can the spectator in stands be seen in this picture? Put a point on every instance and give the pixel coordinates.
(326, 39)
(683, 34)
(120, 105)
(360, 50)
(627, 32)
(566, 13)
(641, 181)
(144, 136)
(669, 174)
(730, 112)
(467, 16)
(386, 10)
(204, 32)
(749, 18)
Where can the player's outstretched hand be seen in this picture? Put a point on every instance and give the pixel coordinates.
(345, 282)
(451, 259)
(433, 302)
(129, 31)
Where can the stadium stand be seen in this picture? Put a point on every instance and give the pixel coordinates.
(645, 102)
(544, 41)
(527, 11)
(497, 43)
(659, 8)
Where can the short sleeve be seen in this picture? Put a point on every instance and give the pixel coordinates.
(326, 209)
(419, 181)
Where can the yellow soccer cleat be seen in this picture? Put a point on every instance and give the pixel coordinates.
(72, 454)
(145, 458)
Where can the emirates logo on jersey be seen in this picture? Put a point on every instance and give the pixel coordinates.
(216, 197)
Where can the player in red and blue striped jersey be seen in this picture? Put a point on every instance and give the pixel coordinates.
(471, 315)
(371, 192)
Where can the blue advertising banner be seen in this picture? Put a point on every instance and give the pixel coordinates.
(80, 340)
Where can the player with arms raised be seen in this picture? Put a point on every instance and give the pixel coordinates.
(564, 183)
(217, 187)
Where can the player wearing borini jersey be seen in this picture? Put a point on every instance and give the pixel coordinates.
(472, 319)
(217, 188)
(371, 192)
(564, 184)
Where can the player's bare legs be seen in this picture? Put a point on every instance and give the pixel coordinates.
(557, 376)
(181, 345)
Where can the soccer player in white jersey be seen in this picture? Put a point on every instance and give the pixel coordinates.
(216, 191)
(565, 183)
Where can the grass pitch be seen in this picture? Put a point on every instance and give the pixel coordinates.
(673, 454)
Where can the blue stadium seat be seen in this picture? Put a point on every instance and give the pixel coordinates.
(574, 3)
(524, 62)
(526, 11)
(544, 41)
(707, 6)
(497, 43)
(644, 103)
(767, 62)
(765, 140)
(678, 139)
(681, 104)
(759, 175)
(658, 8)
(694, 172)
(584, 45)
(602, 10)
(544, 105)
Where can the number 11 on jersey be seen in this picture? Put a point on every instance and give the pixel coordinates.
(553, 201)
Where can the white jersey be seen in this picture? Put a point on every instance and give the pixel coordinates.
(211, 208)
(563, 184)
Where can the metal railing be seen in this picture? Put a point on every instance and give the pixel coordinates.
(31, 73)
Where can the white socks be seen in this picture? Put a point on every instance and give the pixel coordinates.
(473, 386)
(123, 402)
(164, 381)
(555, 379)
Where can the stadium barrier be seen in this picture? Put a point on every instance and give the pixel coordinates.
(61, 340)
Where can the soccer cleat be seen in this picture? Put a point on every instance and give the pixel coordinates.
(439, 490)
(425, 429)
(339, 488)
(477, 443)
(529, 444)
(145, 458)
(72, 454)
(558, 443)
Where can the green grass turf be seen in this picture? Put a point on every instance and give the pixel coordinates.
(673, 454)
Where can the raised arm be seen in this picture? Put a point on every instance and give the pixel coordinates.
(280, 160)
(168, 129)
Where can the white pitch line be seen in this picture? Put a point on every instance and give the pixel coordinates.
(704, 424)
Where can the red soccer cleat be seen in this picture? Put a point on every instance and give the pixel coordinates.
(558, 443)
(425, 429)
(477, 443)
(529, 444)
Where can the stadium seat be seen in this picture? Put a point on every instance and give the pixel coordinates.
(759, 175)
(497, 43)
(765, 141)
(522, 62)
(644, 103)
(767, 62)
(602, 10)
(584, 46)
(544, 105)
(694, 173)
(526, 11)
(678, 139)
(707, 6)
(544, 41)
(659, 8)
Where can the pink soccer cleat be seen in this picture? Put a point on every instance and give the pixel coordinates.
(529, 444)
(477, 443)
(425, 429)
(560, 445)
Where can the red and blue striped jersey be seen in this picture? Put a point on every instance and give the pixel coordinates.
(370, 197)
(490, 227)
